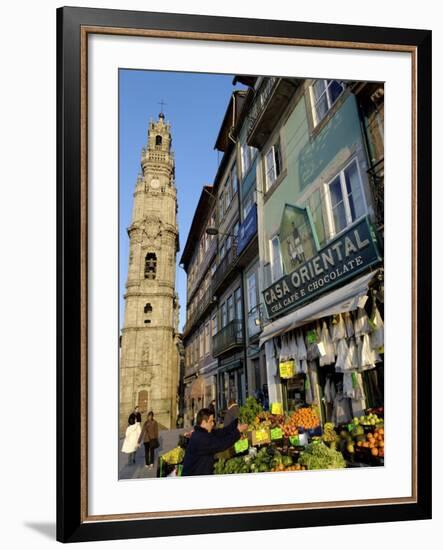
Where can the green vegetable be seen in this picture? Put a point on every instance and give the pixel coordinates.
(249, 411)
(318, 456)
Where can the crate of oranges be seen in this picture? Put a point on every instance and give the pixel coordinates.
(306, 418)
(372, 445)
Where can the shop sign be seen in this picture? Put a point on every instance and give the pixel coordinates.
(287, 369)
(343, 258)
(247, 229)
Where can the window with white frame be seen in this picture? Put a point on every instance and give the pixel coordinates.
(223, 315)
(221, 205)
(233, 179)
(324, 93)
(214, 324)
(207, 347)
(276, 259)
(228, 194)
(251, 283)
(345, 199)
(202, 344)
(247, 156)
(230, 303)
(273, 164)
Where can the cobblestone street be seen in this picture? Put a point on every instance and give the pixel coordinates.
(168, 439)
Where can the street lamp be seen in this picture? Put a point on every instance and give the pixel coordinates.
(215, 231)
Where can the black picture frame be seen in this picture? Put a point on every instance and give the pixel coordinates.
(72, 523)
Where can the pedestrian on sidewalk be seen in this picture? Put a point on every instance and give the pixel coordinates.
(232, 413)
(149, 436)
(135, 415)
(130, 443)
(205, 442)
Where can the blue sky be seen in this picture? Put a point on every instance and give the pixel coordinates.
(195, 106)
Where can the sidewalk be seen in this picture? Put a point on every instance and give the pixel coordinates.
(168, 439)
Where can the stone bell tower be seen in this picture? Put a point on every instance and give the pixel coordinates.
(149, 360)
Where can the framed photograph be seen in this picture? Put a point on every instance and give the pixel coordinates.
(244, 283)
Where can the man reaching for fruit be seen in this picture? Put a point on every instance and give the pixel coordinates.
(205, 442)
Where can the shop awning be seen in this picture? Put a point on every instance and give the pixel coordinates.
(338, 301)
(198, 388)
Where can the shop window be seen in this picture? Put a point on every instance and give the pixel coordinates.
(150, 265)
(324, 93)
(345, 199)
(276, 259)
(273, 164)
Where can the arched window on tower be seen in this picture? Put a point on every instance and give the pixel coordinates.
(158, 141)
(148, 311)
(150, 265)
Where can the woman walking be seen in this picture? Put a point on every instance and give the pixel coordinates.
(130, 444)
(149, 436)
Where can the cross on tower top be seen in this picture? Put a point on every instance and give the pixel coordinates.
(161, 103)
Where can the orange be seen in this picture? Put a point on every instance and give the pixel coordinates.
(374, 451)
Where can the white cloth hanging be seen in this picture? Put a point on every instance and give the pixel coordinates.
(353, 360)
(377, 334)
(325, 338)
(349, 324)
(361, 323)
(348, 388)
(338, 328)
(301, 347)
(342, 363)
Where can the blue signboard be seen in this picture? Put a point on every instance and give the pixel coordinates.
(247, 229)
(341, 259)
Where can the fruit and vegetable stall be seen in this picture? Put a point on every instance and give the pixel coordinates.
(278, 441)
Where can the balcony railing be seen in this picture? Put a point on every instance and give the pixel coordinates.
(228, 337)
(203, 305)
(208, 257)
(270, 101)
(225, 267)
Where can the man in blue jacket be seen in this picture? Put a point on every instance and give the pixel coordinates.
(206, 442)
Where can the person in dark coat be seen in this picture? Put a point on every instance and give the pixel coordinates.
(149, 436)
(232, 413)
(135, 416)
(205, 442)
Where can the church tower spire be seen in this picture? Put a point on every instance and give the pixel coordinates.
(149, 362)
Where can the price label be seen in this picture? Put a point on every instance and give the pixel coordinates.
(241, 445)
(261, 435)
(287, 369)
(294, 440)
(276, 433)
(277, 408)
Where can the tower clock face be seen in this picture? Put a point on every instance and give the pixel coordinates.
(155, 183)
